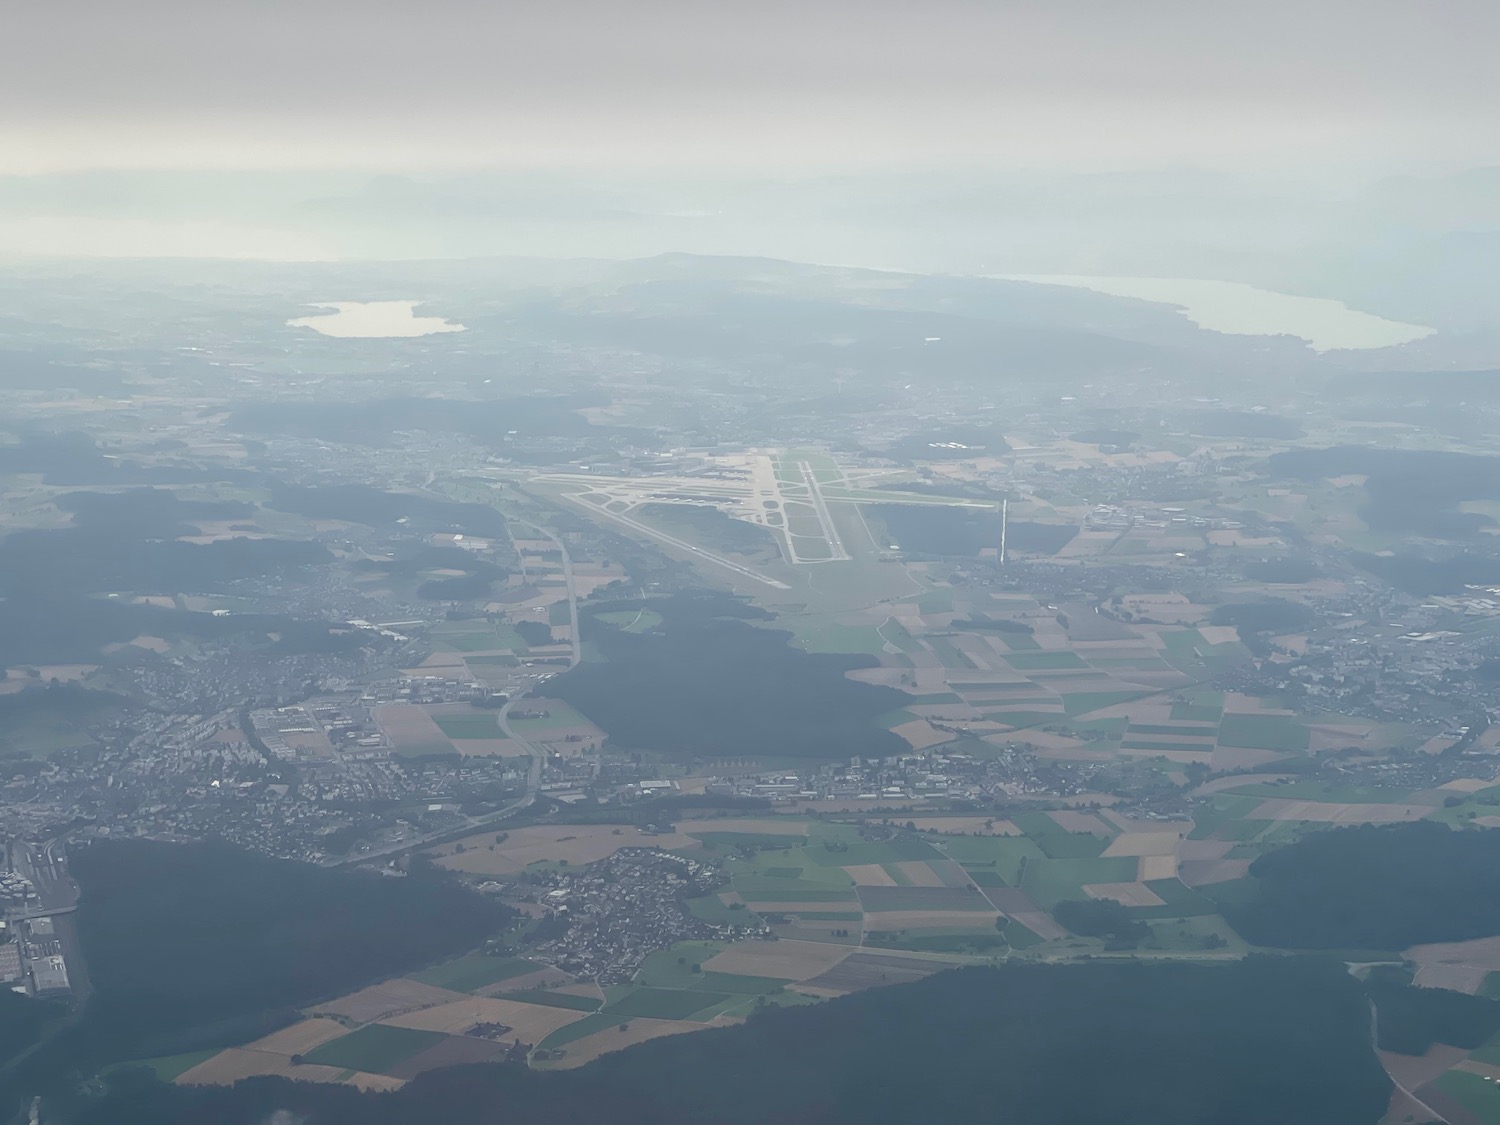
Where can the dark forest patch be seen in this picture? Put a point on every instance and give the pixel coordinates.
(1407, 491)
(707, 684)
(1379, 888)
(183, 936)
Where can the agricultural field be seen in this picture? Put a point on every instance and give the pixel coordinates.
(411, 731)
(531, 1022)
(470, 974)
(384, 999)
(465, 727)
(376, 1048)
(386, 1034)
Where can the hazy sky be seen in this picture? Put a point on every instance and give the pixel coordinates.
(433, 84)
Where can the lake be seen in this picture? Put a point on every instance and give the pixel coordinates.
(373, 319)
(1244, 310)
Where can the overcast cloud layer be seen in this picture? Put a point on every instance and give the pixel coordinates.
(463, 83)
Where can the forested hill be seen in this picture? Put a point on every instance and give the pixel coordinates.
(1374, 888)
(705, 683)
(1267, 1041)
(196, 945)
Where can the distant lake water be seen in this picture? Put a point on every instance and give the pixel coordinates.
(1244, 310)
(373, 319)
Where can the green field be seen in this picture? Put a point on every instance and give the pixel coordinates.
(1326, 791)
(922, 898)
(1002, 855)
(1020, 719)
(986, 877)
(737, 985)
(480, 640)
(1263, 732)
(558, 715)
(939, 600)
(1180, 899)
(1049, 881)
(1018, 936)
(861, 852)
(713, 909)
(1190, 934)
(1028, 661)
(981, 687)
(425, 750)
(1181, 645)
(43, 736)
(579, 1029)
(664, 1003)
(469, 973)
(469, 726)
(1219, 814)
(822, 883)
(673, 967)
(827, 636)
(1055, 841)
(947, 654)
(555, 999)
(769, 871)
(1473, 1092)
(374, 1048)
(894, 632)
(1489, 1052)
(938, 941)
(1197, 712)
(797, 894)
(750, 840)
(1082, 702)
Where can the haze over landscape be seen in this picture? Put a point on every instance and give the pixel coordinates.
(804, 564)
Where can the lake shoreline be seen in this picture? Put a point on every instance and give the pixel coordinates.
(373, 320)
(1238, 309)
